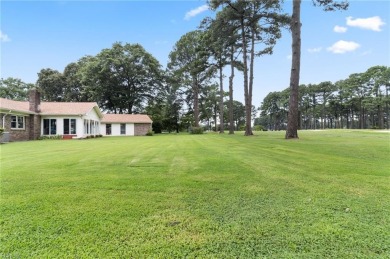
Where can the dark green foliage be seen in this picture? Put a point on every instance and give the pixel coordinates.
(149, 133)
(157, 127)
(258, 128)
(362, 96)
(50, 137)
(196, 130)
(14, 89)
(51, 84)
(123, 78)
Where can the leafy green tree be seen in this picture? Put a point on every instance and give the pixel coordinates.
(14, 89)
(75, 90)
(378, 79)
(324, 90)
(123, 78)
(274, 106)
(189, 62)
(239, 114)
(52, 84)
(209, 105)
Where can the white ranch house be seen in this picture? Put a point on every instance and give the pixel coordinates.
(30, 120)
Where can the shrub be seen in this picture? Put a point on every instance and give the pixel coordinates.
(197, 130)
(149, 133)
(1, 131)
(259, 128)
(50, 137)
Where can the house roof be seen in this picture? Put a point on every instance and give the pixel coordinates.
(126, 118)
(51, 108)
(14, 106)
(68, 108)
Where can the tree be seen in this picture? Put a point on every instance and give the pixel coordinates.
(259, 23)
(14, 89)
(274, 106)
(224, 40)
(123, 78)
(75, 90)
(295, 26)
(239, 114)
(377, 79)
(51, 83)
(189, 62)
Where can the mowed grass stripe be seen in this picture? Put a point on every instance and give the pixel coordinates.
(219, 196)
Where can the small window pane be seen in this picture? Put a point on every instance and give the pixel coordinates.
(66, 126)
(123, 129)
(53, 127)
(73, 126)
(20, 122)
(13, 122)
(46, 127)
(108, 129)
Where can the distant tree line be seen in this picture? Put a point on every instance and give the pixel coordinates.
(359, 102)
(190, 92)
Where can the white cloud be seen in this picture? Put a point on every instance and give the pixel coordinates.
(196, 11)
(340, 29)
(4, 37)
(372, 23)
(342, 47)
(314, 50)
(289, 57)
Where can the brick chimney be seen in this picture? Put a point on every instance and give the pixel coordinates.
(34, 99)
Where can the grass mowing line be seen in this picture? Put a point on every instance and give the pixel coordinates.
(213, 195)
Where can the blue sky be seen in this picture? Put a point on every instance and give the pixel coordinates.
(51, 34)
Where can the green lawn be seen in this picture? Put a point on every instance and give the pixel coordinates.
(203, 196)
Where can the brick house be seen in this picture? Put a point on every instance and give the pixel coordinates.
(29, 120)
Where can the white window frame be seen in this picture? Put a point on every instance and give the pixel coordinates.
(70, 126)
(17, 121)
(50, 129)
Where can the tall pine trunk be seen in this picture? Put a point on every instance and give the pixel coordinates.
(292, 124)
(195, 89)
(245, 61)
(248, 130)
(231, 117)
(221, 93)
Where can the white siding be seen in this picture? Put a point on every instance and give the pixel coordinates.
(60, 124)
(80, 130)
(116, 129)
(79, 127)
(130, 129)
(91, 116)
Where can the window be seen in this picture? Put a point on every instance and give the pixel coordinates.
(108, 129)
(49, 126)
(69, 126)
(123, 129)
(17, 122)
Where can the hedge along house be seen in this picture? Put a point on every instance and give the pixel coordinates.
(33, 119)
(125, 124)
